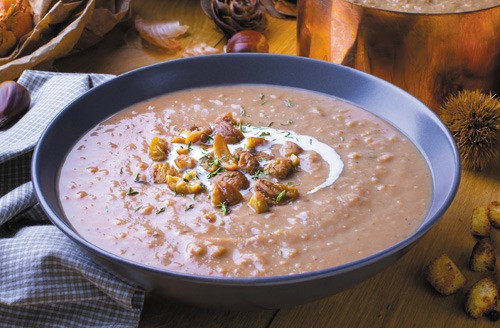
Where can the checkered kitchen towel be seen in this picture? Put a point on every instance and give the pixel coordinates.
(45, 279)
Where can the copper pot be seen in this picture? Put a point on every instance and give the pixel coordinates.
(430, 55)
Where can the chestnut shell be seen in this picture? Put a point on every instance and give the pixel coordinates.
(14, 101)
(247, 41)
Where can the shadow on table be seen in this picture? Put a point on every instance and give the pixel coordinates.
(159, 312)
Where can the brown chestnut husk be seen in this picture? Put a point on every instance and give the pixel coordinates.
(247, 41)
(14, 101)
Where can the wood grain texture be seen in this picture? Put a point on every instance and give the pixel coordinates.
(123, 50)
(400, 296)
(397, 297)
(159, 312)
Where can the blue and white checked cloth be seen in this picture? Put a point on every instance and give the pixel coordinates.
(45, 279)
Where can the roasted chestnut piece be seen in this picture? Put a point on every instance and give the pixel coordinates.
(247, 41)
(14, 101)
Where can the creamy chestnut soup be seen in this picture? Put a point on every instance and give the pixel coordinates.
(429, 6)
(244, 181)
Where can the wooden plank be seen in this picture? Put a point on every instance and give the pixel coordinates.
(161, 313)
(400, 296)
(123, 50)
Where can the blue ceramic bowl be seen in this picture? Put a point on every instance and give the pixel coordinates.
(396, 106)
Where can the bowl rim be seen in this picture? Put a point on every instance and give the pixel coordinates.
(249, 281)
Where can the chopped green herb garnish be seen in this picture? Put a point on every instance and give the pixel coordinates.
(259, 174)
(161, 210)
(287, 123)
(121, 170)
(262, 100)
(310, 141)
(288, 103)
(243, 111)
(208, 136)
(138, 209)
(341, 138)
(296, 169)
(288, 135)
(132, 192)
(136, 178)
(264, 134)
(280, 196)
(189, 207)
(189, 146)
(269, 124)
(214, 162)
(371, 155)
(214, 173)
(223, 208)
(241, 127)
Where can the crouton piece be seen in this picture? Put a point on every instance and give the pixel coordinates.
(483, 256)
(494, 214)
(481, 298)
(480, 224)
(444, 275)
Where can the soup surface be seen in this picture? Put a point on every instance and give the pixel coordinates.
(429, 6)
(244, 181)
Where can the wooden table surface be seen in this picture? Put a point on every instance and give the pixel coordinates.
(397, 297)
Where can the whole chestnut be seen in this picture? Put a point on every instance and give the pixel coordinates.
(14, 101)
(247, 41)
